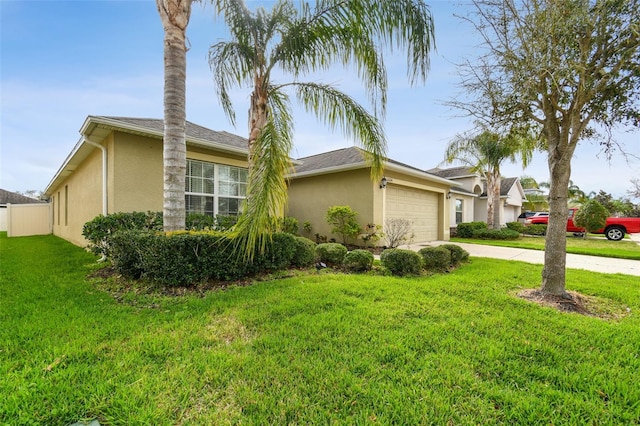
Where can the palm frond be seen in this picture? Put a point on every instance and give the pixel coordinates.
(337, 109)
(267, 186)
(231, 64)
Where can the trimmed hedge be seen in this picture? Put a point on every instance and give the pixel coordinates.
(358, 260)
(185, 258)
(496, 234)
(401, 262)
(535, 229)
(435, 258)
(100, 229)
(458, 254)
(305, 253)
(516, 226)
(466, 229)
(331, 253)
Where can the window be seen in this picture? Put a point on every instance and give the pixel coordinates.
(215, 189)
(458, 211)
(66, 205)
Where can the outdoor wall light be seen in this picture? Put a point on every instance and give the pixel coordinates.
(449, 195)
(383, 183)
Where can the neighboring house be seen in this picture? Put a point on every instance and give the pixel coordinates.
(343, 177)
(469, 202)
(117, 166)
(8, 197)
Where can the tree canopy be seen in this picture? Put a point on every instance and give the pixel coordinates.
(271, 51)
(568, 69)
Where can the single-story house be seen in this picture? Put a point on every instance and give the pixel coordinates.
(117, 166)
(343, 177)
(468, 202)
(8, 197)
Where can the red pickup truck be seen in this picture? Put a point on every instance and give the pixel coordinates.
(614, 229)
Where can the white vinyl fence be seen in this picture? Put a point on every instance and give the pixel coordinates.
(28, 219)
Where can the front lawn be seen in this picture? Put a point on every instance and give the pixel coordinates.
(592, 246)
(316, 348)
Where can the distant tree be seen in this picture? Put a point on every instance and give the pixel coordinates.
(534, 201)
(634, 192)
(560, 67)
(32, 193)
(484, 153)
(591, 216)
(606, 200)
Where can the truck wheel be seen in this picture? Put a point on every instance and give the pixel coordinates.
(615, 233)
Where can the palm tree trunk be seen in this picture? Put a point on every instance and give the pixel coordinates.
(496, 201)
(490, 199)
(175, 18)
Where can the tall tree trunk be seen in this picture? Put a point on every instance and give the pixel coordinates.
(490, 199)
(175, 18)
(555, 254)
(496, 200)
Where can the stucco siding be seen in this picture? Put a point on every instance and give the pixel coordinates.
(311, 197)
(78, 199)
(137, 174)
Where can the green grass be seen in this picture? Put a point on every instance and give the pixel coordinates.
(592, 246)
(324, 348)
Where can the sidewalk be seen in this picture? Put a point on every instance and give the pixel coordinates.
(605, 265)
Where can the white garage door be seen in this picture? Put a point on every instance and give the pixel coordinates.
(418, 206)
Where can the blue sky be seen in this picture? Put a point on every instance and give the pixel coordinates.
(63, 60)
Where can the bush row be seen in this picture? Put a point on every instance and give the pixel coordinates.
(400, 262)
(480, 231)
(185, 258)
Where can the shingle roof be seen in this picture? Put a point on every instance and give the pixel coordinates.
(192, 131)
(452, 172)
(340, 158)
(7, 197)
(505, 186)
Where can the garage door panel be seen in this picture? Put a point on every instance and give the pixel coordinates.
(418, 206)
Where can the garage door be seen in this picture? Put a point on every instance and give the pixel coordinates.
(418, 206)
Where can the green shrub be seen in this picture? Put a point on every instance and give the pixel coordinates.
(516, 226)
(358, 261)
(305, 253)
(331, 253)
(225, 223)
(185, 258)
(465, 230)
(278, 253)
(199, 222)
(496, 234)
(288, 224)
(535, 229)
(401, 262)
(458, 254)
(435, 258)
(127, 249)
(344, 222)
(591, 216)
(100, 229)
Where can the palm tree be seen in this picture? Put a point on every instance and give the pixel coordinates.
(484, 153)
(175, 18)
(293, 41)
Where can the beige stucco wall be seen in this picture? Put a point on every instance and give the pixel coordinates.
(134, 176)
(467, 208)
(78, 199)
(311, 197)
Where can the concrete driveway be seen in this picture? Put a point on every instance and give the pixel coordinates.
(575, 261)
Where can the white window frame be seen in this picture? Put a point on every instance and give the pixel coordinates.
(460, 202)
(216, 196)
